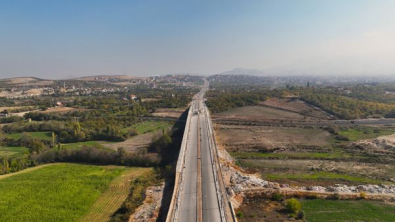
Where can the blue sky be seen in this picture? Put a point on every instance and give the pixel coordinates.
(58, 39)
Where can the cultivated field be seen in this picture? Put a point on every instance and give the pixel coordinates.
(63, 192)
(260, 111)
(308, 156)
(297, 106)
(112, 199)
(267, 138)
(260, 210)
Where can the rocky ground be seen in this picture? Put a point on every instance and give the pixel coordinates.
(149, 210)
(238, 182)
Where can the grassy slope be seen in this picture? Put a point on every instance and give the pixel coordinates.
(61, 192)
(112, 199)
(337, 210)
(10, 151)
(149, 126)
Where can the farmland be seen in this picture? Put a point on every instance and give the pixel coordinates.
(259, 210)
(329, 210)
(305, 155)
(70, 190)
(150, 126)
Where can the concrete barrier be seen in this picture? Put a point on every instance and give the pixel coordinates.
(174, 204)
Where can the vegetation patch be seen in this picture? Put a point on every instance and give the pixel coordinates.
(306, 155)
(362, 133)
(37, 135)
(338, 210)
(113, 198)
(149, 126)
(61, 192)
(11, 151)
(321, 176)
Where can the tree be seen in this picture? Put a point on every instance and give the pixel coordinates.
(121, 152)
(53, 138)
(160, 143)
(36, 146)
(293, 206)
(6, 167)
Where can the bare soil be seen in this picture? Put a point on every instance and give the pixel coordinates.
(254, 138)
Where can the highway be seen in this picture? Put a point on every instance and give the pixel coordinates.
(198, 193)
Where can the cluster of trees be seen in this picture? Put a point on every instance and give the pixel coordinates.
(227, 101)
(14, 164)
(348, 108)
(110, 129)
(11, 119)
(95, 155)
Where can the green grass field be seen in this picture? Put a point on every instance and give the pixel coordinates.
(338, 210)
(60, 192)
(79, 145)
(38, 135)
(361, 133)
(112, 199)
(11, 151)
(148, 126)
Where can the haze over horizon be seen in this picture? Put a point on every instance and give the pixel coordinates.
(59, 39)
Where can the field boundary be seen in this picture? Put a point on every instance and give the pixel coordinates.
(27, 170)
(113, 198)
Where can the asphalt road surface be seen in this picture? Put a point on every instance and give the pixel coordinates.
(193, 200)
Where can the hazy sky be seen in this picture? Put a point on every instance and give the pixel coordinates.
(57, 39)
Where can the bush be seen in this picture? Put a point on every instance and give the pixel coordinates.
(277, 196)
(293, 206)
(239, 214)
(300, 215)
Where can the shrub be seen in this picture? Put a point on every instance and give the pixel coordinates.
(277, 196)
(300, 215)
(293, 206)
(292, 215)
(239, 214)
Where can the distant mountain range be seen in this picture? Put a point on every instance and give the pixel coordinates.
(242, 71)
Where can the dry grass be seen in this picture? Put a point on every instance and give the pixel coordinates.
(162, 112)
(62, 110)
